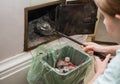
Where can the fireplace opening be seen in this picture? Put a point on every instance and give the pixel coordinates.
(70, 19)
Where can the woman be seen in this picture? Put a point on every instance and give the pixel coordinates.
(107, 73)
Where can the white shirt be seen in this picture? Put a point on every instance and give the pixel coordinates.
(112, 73)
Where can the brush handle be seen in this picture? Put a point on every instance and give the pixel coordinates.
(95, 53)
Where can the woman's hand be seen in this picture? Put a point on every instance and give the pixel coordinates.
(99, 65)
(91, 47)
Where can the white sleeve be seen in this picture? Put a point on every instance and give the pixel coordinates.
(112, 73)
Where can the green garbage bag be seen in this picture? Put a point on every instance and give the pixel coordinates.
(42, 70)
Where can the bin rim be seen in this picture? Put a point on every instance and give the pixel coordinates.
(64, 74)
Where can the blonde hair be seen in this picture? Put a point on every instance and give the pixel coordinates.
(111, 7)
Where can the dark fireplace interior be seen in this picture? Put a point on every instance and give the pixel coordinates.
(70, 19)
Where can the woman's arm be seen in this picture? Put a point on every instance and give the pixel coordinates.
(91, 47)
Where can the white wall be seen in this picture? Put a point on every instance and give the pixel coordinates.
(11, 27)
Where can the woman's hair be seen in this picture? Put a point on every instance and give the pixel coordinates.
(110, 7)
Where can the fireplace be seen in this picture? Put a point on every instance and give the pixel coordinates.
(70, 18)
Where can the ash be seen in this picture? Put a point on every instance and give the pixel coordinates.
(35, 34)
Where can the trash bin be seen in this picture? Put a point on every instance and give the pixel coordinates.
(43, 69)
